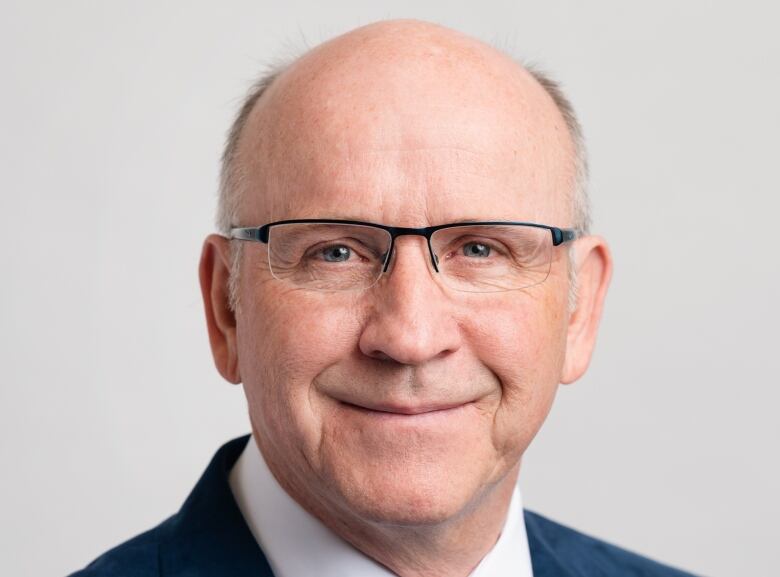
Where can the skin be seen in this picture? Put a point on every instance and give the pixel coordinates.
(408, 124)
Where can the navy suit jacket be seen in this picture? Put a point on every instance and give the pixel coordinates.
(209, 538)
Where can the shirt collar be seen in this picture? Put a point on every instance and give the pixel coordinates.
(284, 530)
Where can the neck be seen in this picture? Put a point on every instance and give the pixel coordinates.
(451, 548)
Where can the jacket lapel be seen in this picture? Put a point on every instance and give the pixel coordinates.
(209, 536)
(544, 560)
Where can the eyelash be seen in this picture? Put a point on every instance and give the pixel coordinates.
(460, 243)
(320, 249)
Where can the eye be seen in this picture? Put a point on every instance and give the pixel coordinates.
(336, 253)
(476, 249)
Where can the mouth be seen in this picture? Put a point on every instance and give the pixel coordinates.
(381, 410)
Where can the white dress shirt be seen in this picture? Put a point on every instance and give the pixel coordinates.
(297, 544)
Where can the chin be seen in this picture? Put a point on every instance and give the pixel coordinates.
(421, 470)
(413, 494)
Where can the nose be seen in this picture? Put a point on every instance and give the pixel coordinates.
(411, 319)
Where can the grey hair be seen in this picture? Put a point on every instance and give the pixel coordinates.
(232, 176)
(580, 201)
(232, 181)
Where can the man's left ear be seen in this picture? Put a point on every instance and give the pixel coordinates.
(594, 271)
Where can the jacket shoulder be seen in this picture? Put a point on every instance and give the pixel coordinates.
(582, 555)
(136, 557)
(207, 536)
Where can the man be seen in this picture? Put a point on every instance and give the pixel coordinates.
(404, 278)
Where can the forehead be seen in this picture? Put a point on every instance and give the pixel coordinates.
(425, 135)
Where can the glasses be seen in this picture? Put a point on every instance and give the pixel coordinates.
(346, 255)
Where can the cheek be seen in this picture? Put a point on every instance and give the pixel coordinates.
(522, 340)
(287, 338)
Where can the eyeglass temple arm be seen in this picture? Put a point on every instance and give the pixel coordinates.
(561, 235)
(257, 234)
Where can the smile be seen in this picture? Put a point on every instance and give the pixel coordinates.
(408, 411)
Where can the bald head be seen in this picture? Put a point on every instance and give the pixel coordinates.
(382, 105)
(399, 70)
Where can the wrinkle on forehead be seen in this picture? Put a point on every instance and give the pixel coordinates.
(404, 105)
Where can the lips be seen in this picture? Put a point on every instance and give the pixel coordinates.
(406, 410)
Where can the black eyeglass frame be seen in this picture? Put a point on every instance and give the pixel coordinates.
(261, 233)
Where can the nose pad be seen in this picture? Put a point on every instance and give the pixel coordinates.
(435, 259)
(386, 258)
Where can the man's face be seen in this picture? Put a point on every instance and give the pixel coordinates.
(407, 402)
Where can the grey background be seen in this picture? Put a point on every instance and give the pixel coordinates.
(113, 116)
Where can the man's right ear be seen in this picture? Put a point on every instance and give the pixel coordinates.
(214, 272)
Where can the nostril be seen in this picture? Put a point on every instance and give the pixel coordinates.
(380, 356)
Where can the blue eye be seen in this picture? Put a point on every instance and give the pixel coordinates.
(338, 253)
(476, 249)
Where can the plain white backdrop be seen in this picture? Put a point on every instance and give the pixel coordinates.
(113, 115)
